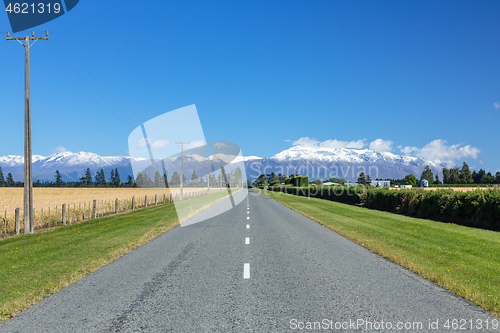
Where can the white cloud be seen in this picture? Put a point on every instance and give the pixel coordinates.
(59, 149)
(143, 143)
(306, 142)
(343, 144)
(381, 145)
(496, 105)
(438, 151)
(288, 140)
(195, 144)
(158, 144)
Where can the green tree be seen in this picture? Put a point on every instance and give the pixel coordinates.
(477, 176)
(437, 179)
(411, 179)
(130, 181)
(497, 177)
(140, 180)
(427, 174)
(488, 179)
(112, 178)
(59, 181)
(159, 180)
(362, 178)
(118, 181)
(454, 176)
(10, 180)
(238, 176)
(87, 178)
(337, 180)
(103, 178)
(175, 181)
(273, 177)
(2, 179)
(465, 175)
(446, 176)
(194, 178)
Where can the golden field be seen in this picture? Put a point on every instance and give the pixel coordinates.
(12, 198)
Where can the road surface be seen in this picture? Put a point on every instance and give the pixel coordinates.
(259, 267)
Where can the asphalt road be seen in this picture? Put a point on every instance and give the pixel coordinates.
(259, 267)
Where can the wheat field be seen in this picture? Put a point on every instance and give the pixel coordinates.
(12, 198)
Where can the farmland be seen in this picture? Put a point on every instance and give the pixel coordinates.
(12, 198)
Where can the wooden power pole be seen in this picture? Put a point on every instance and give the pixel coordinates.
(29, 226)
(182, 162)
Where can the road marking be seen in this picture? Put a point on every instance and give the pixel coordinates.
(248, 217)
(246, 271)
(248, 226)
(248, 212)
(247, 240)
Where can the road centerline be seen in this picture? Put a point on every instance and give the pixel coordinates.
(246, 271)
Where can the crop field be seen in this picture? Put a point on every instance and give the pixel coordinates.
(12, 198)
(80, 204)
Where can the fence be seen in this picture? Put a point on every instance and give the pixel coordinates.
(54, 216)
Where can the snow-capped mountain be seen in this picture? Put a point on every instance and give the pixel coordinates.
(324, 163)
(72, 166)
(316, 162)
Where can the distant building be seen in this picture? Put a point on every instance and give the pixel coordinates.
(330, 184)
(424, 183)
(381, 183)
(406, 186)
(351, 184)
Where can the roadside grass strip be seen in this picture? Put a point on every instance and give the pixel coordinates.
(465, 261)
(34, 266)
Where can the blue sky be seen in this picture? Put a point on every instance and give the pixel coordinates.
(423, 76)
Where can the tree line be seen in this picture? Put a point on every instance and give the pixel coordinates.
(143, 179)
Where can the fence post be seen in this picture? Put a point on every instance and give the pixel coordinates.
(170, 197)
(116, 206)
(163, 197)
(94, 209)
(18, 227)
(156, 199)
(64, 214)
(133, 203)
(146, 201)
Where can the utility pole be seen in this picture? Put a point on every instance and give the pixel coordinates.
(29, 226)
(182, 162)
(208, 174)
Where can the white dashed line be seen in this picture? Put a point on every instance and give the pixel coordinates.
(246, 271)
(247, 240)
(248, 217)
(248, 226)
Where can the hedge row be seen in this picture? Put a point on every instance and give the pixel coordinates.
(299, 181)
(478, 208)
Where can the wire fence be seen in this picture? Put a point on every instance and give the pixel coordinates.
(54, 216)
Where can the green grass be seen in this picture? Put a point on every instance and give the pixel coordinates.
(466, 261)
(35, 266)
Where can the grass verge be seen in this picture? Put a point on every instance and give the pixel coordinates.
(466, 261)
(35, 266)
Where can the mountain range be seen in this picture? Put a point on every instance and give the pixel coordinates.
(316, 162)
